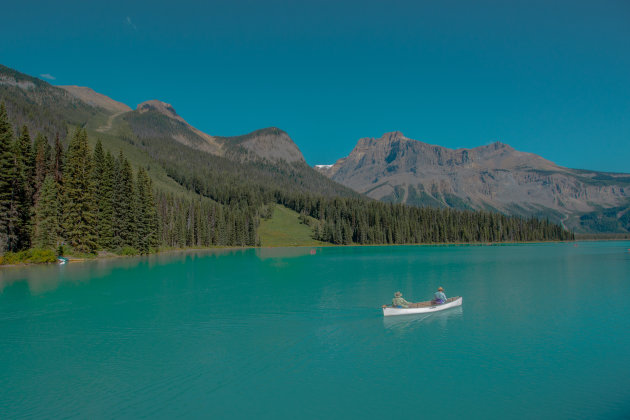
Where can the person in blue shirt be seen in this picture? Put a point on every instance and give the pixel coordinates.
(439, 297)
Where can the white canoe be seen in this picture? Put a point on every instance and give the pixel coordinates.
(423, 307)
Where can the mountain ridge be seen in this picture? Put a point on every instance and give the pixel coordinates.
(493, 177)
(154, 127)
(52, 108)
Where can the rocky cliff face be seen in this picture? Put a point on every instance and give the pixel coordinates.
(494, 177)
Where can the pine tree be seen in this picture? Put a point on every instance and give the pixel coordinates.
(124, 204)
(56, 171)
(23, 188)
(146, 225)
(98, 163)
(42, 151)
(78, 190)
(46, 218)
(57, 163)
(151, 215)
(105, 194)
(6, 176)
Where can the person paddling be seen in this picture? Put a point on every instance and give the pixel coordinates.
(399, 302)
(439, 297)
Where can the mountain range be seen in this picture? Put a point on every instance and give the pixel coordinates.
(392, 168)
(493, 177)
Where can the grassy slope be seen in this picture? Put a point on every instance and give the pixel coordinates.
(284, 229)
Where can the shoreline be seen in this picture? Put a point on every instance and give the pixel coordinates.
(108, 255)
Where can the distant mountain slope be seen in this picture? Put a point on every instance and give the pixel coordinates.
(153, 119)
(44, 108)
(267, 157)
(156, 137)
(96, 99)
(158, 119)
(52, 111)
(213, 165)
(270, 143)
(496, 177)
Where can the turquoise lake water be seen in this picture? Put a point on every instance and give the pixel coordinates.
(544, 332)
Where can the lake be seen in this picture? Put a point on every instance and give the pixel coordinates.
(544, 332)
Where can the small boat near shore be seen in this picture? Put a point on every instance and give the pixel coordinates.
(422, 307)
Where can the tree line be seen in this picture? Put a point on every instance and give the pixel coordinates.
(86, 200)
(343, 220)
(90, 200)
(336, 214)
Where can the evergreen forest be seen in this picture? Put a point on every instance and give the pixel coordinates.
(78, 200)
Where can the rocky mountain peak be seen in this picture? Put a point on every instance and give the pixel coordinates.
(161, 107)
(393, 135)
(270, 143)
(366, 144)
(494, 176)
(496, 146)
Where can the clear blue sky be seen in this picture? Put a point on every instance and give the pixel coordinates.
(548, 77)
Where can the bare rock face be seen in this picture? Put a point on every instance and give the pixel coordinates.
(161, 107)
(494, 177)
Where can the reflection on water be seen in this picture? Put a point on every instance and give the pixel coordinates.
(40, 279)
(49, 277)
(279, 253)
(407, 323)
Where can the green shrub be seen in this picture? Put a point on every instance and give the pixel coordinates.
(14, 258)
(129, 250)
(39, 256)
(29, 256)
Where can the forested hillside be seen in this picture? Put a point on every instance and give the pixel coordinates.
(234, 176)
(84, 200)
(44, 108)
(79, 178)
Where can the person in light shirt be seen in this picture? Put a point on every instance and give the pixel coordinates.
(439, 297)
(399, 302)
